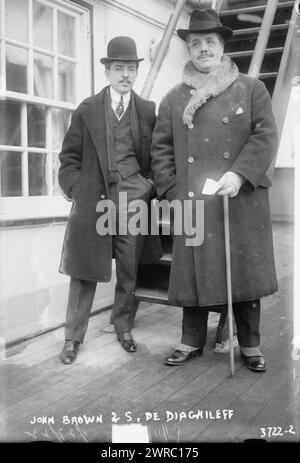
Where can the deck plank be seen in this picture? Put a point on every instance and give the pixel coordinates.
(105, 379)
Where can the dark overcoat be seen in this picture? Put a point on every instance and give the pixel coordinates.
(83, 178)
(233, 131)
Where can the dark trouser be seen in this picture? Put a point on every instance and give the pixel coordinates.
(222, 332)
(127, 250)
(81, 296)
(247, 318)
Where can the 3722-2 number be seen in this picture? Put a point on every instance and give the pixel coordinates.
(276, 431)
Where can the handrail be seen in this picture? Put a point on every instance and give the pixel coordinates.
(163, 47)
(216, 5)
(262, 39)
(289, 60)
(289, 67)
(254, 9)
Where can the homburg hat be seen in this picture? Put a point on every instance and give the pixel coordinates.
(205, 21)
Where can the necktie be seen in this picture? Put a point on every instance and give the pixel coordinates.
(120, 108)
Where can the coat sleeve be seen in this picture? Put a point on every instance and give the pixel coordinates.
(162, 150)
(71, 155)
(258, 152)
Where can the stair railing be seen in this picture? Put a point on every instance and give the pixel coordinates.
(162, 49)
(262, 39)
(216, 5)
(288, 69)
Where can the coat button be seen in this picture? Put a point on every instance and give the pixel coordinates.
(102, 196)
(226, 155)
(225, 120)
(190, 159)
(191, 126)
(191, 194)
(193, 91)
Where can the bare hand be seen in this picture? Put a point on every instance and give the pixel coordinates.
(230, 184)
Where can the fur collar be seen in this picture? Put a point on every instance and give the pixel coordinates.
(207, 85)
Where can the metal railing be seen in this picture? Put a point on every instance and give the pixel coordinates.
(217, 5)
(290, 62)
(163, 47)
(288, 69)
(262, 39)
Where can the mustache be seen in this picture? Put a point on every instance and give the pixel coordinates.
(205, 54)
(126, 81)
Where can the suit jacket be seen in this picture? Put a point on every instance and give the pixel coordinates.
(83, 178)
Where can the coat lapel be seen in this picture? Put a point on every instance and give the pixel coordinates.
(93, 115)
(135, 127)
(142, 116)
(143, 135)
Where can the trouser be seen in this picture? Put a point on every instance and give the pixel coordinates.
(222, 332)
(81, 292)
(127, 250)
(247, 318)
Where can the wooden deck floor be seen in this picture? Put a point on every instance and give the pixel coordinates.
(106, 382)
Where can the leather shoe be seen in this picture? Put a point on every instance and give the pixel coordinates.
(256, 363)
(127, 343)
(180, 357)
(69, 353)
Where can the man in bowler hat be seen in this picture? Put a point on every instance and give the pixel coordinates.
(105, 152)
(218, 123)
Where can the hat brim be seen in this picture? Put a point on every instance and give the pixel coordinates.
(110, 59)
(226, 32)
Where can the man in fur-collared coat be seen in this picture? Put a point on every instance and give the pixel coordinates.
(106, 154)
(218, 124)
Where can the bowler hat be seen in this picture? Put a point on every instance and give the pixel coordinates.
(121, 49)
(205, 21)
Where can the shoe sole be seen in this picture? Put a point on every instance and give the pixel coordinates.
(255, 370)
(177, 364)
(67, 363)
(129, 351)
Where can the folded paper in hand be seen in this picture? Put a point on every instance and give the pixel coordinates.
(210, 187)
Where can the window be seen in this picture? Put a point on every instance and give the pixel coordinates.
(44, 54)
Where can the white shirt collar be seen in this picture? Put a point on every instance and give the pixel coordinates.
(116, 96)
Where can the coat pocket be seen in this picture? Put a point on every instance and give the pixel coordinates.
(76, 186)
(240, 118)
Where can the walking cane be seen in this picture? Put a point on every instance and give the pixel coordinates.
(228, 278)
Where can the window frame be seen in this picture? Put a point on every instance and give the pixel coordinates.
(52, 205)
